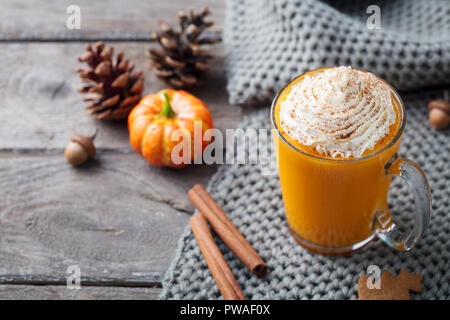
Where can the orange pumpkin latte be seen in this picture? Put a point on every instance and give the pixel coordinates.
(334, 133)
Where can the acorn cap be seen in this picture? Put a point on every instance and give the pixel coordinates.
(86, 143)
(440, 104)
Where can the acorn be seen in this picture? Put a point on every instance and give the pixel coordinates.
(439, 115)
(80, 149)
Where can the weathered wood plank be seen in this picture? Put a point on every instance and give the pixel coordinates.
(106, 19)
(152, 279)
(18, 292)
(40, 107)
(116, 218)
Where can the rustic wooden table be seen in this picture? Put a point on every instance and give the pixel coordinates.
(117, 218)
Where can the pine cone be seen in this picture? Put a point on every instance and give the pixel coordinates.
(181, 61)
(111, 86)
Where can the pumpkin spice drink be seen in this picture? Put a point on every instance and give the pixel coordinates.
(337, 132)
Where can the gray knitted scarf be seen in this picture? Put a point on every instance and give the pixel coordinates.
(267, 43)
(254, 204)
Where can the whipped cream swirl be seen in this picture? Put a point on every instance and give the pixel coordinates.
(341, 112)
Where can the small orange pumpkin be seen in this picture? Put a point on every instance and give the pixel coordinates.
(154, 120)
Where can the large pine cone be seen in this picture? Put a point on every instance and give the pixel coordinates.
(181, 61)
(111, 86)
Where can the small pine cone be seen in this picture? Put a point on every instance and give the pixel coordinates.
(181, 61)
(111, 87)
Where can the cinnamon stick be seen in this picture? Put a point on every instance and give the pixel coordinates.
(214, 259)
(226, 230)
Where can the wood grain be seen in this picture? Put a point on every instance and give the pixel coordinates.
(117, 217)
(40, 107)
(106, 19)
(17, 292)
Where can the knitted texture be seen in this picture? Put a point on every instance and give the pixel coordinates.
(253, 202)
(268, 42)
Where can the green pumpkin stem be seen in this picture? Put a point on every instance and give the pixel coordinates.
(167, 110)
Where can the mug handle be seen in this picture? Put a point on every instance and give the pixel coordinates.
(386, 229)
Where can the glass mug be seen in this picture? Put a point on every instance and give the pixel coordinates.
(337, 206)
